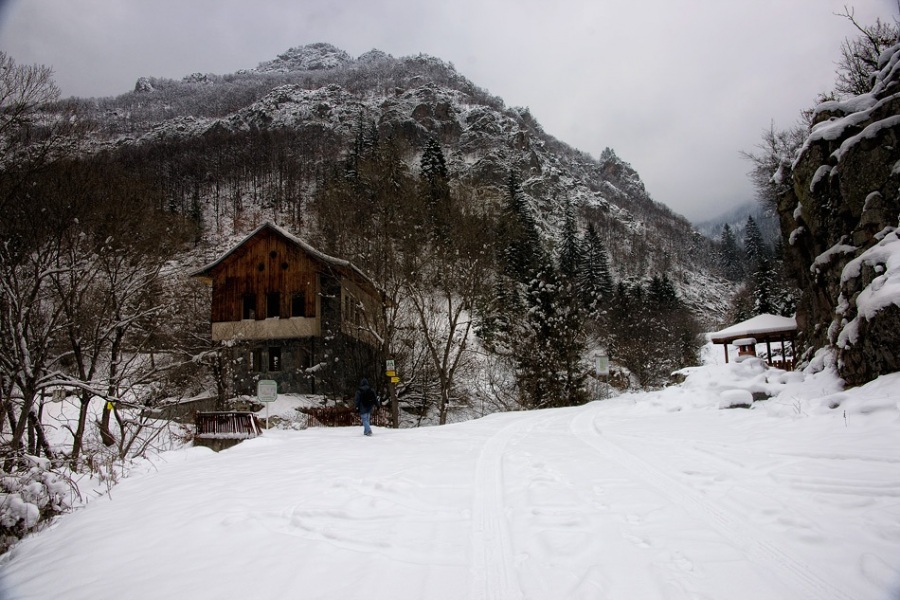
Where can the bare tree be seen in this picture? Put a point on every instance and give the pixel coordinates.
(446, 279)
(859, 56)
(23, 89)
(771, 163)
(29, 321)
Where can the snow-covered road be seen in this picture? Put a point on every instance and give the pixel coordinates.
(649, 497)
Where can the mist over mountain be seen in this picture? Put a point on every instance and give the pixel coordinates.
(736, 219)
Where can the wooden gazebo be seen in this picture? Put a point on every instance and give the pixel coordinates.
(762, 328)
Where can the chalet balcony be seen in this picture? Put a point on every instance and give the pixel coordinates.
(267, 329)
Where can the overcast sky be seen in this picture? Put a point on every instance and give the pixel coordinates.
(678, 88)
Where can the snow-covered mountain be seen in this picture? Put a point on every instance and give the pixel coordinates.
(321, 92)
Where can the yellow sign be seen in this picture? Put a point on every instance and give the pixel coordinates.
(395, 379)
(391, 373)
(109, 406)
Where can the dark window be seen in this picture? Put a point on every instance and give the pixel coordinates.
(274, 359)
(249, 307)
(255, 360)
(273, 305)
(304, 359)
(298, 305)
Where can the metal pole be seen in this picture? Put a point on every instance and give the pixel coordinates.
(395, 410)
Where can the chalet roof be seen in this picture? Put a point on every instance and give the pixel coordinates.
(338, 263)
(762, 327)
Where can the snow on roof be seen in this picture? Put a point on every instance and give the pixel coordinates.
(321, 256)
(757, 327)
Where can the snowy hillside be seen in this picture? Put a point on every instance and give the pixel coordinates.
(325, 98)
(645, 496)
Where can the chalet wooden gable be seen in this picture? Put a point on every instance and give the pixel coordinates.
(270, 285)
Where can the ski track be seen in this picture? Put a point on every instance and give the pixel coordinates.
(793, 573)
(492, 575)
(582, 537)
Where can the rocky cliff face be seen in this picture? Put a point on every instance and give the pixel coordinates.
(839, 221)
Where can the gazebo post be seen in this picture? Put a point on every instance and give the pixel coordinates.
(769, 350)
(725, 345)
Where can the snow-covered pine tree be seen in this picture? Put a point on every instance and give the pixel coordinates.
(595, 283)
(521, 253)
(570, 256)
(435, 188)
(754, 245)
(730, 255)
(549, 343)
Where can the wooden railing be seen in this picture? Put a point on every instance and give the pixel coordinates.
(227, 425)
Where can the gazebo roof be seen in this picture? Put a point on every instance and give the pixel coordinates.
(762, 327)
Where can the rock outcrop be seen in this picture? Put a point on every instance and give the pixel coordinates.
(839, 220)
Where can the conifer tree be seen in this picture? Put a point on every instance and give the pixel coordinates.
(754, 246)
(521, 253)
(435, 186)
(730, 255)
(661, 293)
(764, 288)
(570, 255)
(595, 282)
(550, 343)
(652, 333)
(433, 164)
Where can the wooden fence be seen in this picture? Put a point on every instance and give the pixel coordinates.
(342, 416)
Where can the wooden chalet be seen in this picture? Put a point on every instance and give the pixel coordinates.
(761, 329)
(290, 313)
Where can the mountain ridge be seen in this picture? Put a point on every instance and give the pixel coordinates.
(318, 89)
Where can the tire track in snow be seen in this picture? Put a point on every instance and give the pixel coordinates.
(791, 572)
(679, 581)
(492, 573)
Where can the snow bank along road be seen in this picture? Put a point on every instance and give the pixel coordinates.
(603, 501)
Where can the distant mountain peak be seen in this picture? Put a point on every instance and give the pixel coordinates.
(374, 55)
(311, 57)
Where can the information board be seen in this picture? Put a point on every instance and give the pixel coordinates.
(266, 390)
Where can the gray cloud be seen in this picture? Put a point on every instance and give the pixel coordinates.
(678, 88)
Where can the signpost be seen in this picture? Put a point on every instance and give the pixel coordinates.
(267, 391)
(390, 371)
(603, 370)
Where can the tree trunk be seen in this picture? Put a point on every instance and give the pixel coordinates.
(34, 425)
(112, 391)
(28, 395)
(31, 446)
(78, 442)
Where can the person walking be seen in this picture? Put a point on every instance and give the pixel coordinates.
(366, 401)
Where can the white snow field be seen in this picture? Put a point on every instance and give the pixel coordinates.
(645, 496)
